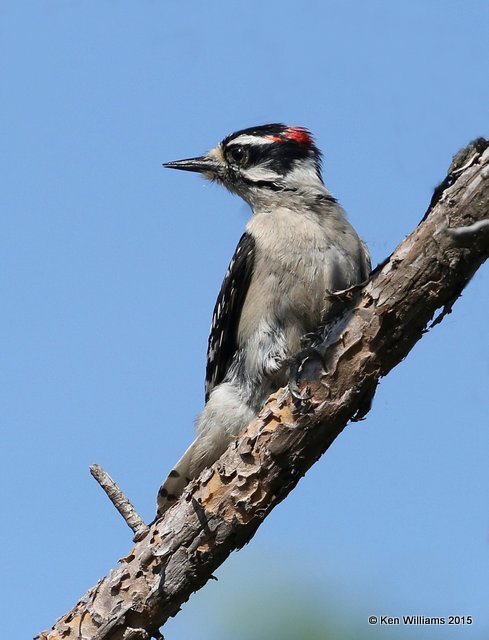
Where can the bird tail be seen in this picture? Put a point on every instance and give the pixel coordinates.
(216, 427)
(177, 480)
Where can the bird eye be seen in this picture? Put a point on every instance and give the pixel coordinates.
(237, 154)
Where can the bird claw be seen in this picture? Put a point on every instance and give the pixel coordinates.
(296, 367)
(345, 295)
(312, 339)
(296, 393)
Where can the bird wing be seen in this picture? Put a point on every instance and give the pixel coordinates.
(223, 337)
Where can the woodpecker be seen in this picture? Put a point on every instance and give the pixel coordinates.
(297, 246)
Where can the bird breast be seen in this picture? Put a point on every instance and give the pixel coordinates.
(298, 258)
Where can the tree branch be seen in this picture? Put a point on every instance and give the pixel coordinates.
(221, 511)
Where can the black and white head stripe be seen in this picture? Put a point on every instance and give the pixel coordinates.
(268, 133)
(276, 147)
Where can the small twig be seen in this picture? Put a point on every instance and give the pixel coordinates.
(120, 502)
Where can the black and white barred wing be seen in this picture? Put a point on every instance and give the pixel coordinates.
(223, 337)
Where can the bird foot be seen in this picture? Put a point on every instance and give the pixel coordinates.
(297, 366)
(345, 295)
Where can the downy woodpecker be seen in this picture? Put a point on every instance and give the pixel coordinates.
(297, 246)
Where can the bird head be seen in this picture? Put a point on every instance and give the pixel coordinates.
(261, 161)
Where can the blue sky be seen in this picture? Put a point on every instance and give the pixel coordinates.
(110, 266)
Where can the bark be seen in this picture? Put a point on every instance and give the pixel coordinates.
(221, 511)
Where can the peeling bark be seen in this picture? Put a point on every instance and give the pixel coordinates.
(221, 511)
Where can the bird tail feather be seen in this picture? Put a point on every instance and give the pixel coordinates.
(177, 480)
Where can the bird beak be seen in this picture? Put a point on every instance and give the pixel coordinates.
(202, 164)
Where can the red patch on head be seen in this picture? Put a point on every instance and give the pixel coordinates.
(299, 134)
